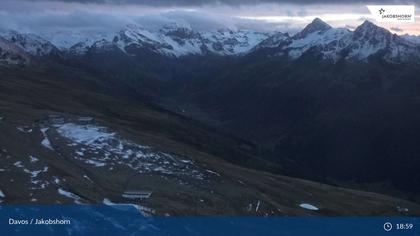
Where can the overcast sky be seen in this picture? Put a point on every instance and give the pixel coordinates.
(265, 15)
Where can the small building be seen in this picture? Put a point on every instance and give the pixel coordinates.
(137, 194)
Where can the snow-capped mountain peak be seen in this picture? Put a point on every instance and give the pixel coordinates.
(273, 41)
(134, 33)
(228, 42)
(369, 39)
(337, 43)
(368, 31)
(175, 40)
(328, 41)
(172, 42)
(317, 25)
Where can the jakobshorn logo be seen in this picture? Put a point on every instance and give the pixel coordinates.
(393, 13)
(381, 11)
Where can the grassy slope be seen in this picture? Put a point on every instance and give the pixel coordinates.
(28, 96)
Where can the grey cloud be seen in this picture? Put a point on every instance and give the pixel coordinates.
(35, 16)
(231, 2)
(77, 19)
(49, 15)
(396, 29)
(111, 22)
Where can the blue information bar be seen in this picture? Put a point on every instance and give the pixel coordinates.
(126, 220)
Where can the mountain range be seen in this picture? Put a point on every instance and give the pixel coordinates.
(179, 41)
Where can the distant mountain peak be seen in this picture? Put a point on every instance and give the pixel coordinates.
(318, 38)
(318, 21)
(370, 30)
(317, 25)
(367, 25)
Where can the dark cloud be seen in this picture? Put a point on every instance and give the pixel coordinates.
(106, 16)
(50, 15)
(233, 2)
(111, 22)
(396, 29)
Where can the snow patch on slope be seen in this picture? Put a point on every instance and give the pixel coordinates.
(71, 195)
(145, 211)
(84, 134)
(96, 145)
(308, 206)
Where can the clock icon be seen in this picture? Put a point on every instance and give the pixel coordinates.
(387, 226)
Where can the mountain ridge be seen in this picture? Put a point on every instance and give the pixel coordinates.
(368, 40)
(179, 41)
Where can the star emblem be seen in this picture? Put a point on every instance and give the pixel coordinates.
(381, 11)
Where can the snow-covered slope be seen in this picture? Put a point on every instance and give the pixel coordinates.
(228, 42)
(369, 39)
(180, 41)
(172, 40)
(337, 43)
(328, 41)
(11, 54)
(66, 39)
(318, 34)
(30, 43)
(276, 40)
